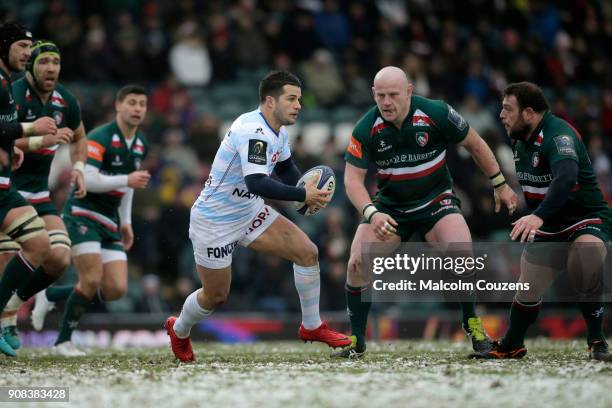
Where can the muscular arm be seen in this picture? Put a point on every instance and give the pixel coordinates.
(356, 191)
(481, 153)
(78, 147)
(565, 175)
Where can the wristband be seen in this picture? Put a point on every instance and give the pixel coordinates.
(368, 211)
(28, 128)
(35, 142)
(79, 166)
(498, 180)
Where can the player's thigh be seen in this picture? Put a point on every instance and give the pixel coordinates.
(89, 270)
(284, 239)
(58, 257)
(585, 263)
(538, 275)
(363, 242)
(8, 249)
(216, 284)
(114, 279)
(450, 228)
(25, 227)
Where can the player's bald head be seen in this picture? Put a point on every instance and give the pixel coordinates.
(391, 76)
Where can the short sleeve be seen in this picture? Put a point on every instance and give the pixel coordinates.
(95, 149)
(454, 127)
(73, 121)
(254, 153)
(561, 147)
(357, 152)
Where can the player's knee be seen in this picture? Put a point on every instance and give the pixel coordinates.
(354, 267)
(114, 293)
(56, 262)
(88, 288)
(215, 297)
(308, 255)
(36, 248)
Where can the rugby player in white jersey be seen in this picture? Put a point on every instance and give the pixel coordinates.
(231, 211)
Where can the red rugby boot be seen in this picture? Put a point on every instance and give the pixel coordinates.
(325, 335)
(180, 347)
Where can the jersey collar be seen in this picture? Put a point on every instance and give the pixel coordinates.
(5, 75)
(267, 124)
(547, 115)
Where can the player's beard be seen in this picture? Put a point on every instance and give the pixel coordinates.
(520, 131)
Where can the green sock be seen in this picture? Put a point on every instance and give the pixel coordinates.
(593, 313)
(75, 308)
(468, 310)
(358, 312)
(522, 315)
(55, 293)
(39, 281)
(17, 272)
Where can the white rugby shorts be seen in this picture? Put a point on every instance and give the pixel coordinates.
(213, 244)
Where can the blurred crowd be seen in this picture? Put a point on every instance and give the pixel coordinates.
(202, 60)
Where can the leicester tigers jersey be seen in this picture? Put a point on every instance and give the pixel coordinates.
(108, 150)
(31, 179)
(410, 162)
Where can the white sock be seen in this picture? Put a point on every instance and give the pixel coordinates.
(308, 285)
(191, 314)
(13, 305)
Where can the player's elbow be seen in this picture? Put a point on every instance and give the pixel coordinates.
(253, 183)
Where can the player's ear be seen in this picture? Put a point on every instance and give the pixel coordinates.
(409, 89)
(527, 114)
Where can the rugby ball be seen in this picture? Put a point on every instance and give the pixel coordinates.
(324, 179)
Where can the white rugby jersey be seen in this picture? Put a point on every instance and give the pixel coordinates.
(249, 147)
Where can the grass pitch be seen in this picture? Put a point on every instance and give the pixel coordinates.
(287, 374)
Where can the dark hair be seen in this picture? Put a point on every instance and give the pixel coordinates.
(272, 84)
(130, 89)
(528, 95)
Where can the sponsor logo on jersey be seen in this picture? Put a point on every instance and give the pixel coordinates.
(383, 146)
(30, 115)
(116, 141)
(446, 201)
(244, 194)
(422, 138)
(83, 229)
(95, 150)
(58, 116)
(259, 130)
(535, 159)
(221, 252)
(420, 118)
(565, 145)
(354, 148)
(456, 119)
(257, 151)
(117, 161)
